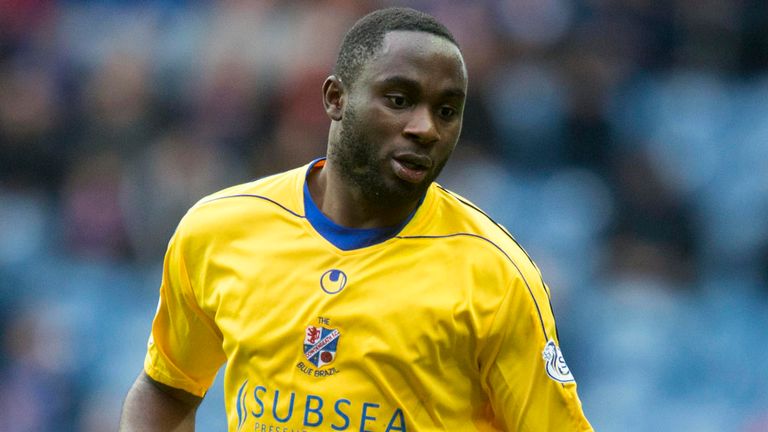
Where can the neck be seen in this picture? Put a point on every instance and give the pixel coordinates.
(348, 205)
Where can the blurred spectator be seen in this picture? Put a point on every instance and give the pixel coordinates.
(117, 112)
(93, 222)
(38, 388)
(31, 154)
(653, 233)
(178, 168)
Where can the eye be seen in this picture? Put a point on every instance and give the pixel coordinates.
(398, 101)
(447, 112)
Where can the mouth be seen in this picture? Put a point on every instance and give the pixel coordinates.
(411, 167)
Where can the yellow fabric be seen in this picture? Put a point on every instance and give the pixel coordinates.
(439, 328)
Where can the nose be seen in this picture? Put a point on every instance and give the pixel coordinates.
(421, 126)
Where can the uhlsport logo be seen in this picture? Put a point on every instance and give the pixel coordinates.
(554, 363)
(320, 345)
(333, 281)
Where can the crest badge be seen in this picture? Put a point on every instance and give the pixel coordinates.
(320, 345)
(554, 363)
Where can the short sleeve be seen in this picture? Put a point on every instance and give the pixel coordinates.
(523, 370)
(185, 347)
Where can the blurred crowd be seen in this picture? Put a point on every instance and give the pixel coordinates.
(623, 143)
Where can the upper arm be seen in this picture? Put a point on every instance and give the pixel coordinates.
(177, 394)
(154, 406)
(185, 347)
(528, 392)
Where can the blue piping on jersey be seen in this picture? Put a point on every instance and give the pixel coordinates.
(541, 277)
(310, 206)
(342, 237)
(535, 303)
(498, 225)
(260, 197)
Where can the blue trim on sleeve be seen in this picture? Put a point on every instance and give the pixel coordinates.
(342, 237)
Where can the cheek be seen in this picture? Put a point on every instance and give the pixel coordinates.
(450, 136)
(445, 152)
(379, 117)
(384, 122)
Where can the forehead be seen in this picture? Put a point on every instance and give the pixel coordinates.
(419, 56)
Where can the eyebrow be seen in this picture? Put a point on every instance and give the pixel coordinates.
(398, 80)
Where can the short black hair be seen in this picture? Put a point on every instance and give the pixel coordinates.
(366, 37)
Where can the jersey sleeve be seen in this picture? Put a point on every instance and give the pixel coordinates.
(523, 370)
(185, 347)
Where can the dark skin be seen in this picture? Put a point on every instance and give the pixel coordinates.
(391, 133)
(153, 406)
(409, 101)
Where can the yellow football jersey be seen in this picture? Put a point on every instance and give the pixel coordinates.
(441, 324)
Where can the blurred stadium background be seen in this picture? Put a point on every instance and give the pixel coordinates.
(624, 143)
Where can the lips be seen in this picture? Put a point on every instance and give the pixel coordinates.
(411, 167)
(414, 160)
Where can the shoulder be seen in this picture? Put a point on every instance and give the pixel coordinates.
(245, 205)
(454, 217)
(278, 188)
(495, 256)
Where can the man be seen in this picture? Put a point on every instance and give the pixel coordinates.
(354, 293)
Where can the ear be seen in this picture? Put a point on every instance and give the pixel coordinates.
(334, 95)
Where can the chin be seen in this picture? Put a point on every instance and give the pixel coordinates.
(400, 192)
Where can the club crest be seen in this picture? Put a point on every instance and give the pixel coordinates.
(320, 345)
(554, 363)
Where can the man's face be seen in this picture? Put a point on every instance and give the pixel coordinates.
(402, 117)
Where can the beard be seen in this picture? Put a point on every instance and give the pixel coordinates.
(359, 163)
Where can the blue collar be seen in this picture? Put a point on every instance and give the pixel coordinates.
(342, 237)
